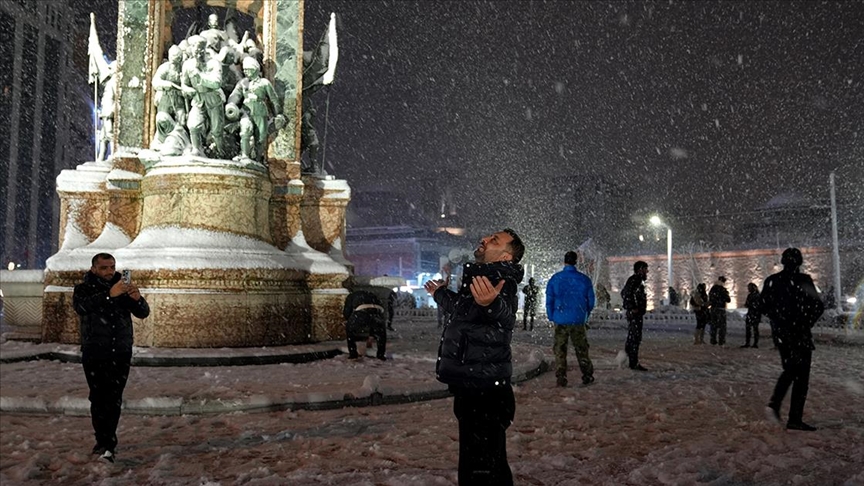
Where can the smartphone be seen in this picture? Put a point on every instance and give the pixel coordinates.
(127, 277)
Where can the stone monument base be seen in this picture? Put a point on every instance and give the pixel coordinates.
(204, 257)
(215, 297)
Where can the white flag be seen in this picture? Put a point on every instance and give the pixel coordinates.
(98, 68)
(334, 51)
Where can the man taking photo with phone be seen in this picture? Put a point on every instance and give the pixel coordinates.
(106, 302)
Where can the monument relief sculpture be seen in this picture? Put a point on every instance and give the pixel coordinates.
(190, 91)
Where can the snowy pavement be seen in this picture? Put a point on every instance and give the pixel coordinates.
(695, 418)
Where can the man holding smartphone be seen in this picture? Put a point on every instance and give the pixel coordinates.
(475, 359)
(106, 301)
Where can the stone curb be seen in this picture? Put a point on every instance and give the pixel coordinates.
(371, 393)
(184, 361)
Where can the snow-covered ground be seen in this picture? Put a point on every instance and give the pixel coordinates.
(695, 418)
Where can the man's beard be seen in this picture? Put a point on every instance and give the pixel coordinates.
(479, 254)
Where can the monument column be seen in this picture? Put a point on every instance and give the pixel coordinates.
(139, 30)
(283, 65)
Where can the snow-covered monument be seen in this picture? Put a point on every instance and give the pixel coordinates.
(229, 240)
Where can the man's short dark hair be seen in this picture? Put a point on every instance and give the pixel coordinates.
(570, 258)
(101, 256)
(791, 258)
(517, 248)
(639, 266)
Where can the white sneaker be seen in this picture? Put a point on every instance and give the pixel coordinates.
(108, 456)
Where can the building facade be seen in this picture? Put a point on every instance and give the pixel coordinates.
(36, 84)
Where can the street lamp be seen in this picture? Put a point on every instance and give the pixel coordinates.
(656, 221)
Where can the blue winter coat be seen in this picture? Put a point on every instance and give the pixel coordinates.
(569, 297)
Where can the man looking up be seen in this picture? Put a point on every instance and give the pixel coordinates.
(474, 356)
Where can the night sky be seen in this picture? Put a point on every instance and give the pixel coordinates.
(521, 108)
(573, 119)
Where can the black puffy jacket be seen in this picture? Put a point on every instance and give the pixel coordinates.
(475, 345)
(106, 322)
(791, 302)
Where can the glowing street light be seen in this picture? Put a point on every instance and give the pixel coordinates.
(656, 221)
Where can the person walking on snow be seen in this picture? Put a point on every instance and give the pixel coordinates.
(792, 304)
(569, 302)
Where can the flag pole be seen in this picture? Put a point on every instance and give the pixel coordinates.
(93, 77)
(95, 121)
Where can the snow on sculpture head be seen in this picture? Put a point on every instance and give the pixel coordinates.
(175, 53)
(249, 62)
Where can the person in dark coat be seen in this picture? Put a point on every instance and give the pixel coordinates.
(718, 297)
(365, 319)
(754, 315)
(635, 303)
(792, 304)
(673, 297)
(106, 304)
(474, 357)
(699, 304)
(530, 307)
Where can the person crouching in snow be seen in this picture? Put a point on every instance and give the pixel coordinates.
(366, 319)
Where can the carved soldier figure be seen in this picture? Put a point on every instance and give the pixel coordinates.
(166, 85)
(168, 96)
(201, 81)
(253, 92)
(106, 113)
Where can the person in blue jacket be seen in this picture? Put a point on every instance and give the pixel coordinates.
(569, 302)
